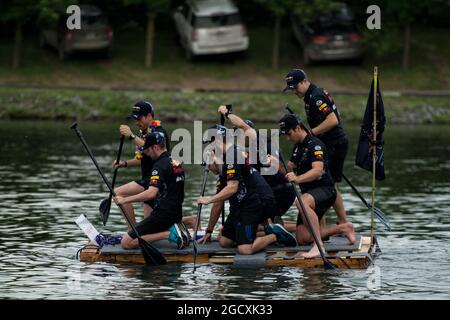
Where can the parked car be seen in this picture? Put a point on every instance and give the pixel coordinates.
(95, 34)
(210, 27)
(331, 36)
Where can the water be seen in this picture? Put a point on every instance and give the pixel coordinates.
(47, 181)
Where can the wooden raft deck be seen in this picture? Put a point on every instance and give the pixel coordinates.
(358, 256)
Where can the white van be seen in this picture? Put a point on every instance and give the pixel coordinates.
(210, 27)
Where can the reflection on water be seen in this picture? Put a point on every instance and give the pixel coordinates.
(47, 181)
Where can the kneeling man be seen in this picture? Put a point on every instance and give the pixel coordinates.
(309, 162)
(167, 190)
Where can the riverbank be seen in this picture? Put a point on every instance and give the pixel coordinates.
(176, 106)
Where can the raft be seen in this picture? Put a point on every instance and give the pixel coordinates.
(343, 255)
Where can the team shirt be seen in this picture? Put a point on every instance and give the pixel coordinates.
(303, 156)
(146, 161)
(318, 105)
(168, 176)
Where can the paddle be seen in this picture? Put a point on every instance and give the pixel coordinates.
(222, 122)
(326, 263)
(199, 209)
(151, 255)
(105, 205)
(380, 215)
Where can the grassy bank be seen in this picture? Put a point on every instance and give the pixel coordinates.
(429, 65)
(18, 103)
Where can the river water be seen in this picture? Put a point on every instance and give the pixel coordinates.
(47, 180)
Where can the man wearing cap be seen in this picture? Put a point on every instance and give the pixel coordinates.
(311, 172)
(251, 199)
(282, 190)
(167, 191)
(325, 123)
(143, 115)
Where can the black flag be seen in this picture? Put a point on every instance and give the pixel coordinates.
(366, 143)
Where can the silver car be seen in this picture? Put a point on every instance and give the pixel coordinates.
(210, 27)
(95, 34)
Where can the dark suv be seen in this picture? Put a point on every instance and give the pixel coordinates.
(331, 36)
(95, 34)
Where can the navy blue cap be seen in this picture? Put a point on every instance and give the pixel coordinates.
(217, 130)
(293, 78)
(153, 139)
(288, 122)
(142, 108)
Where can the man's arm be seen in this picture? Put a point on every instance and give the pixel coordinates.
(329, 123)
(126, 131)
(146, 195)
(311, 175)
(127, 163)
(226, 193)
(239, 123)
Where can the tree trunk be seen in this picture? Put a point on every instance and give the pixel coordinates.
(276, 42)
(406, 47)
(149, 40)
(17, 45)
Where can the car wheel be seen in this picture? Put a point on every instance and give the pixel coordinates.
(62, 54)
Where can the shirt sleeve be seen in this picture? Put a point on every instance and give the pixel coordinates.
(234, 172)
(157, 177)
(322, 106)
(317, 153)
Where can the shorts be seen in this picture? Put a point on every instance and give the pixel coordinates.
(242, 224)
(336, 157)
(145, 183)
(324, 198)
(284, 198)
(158, 221)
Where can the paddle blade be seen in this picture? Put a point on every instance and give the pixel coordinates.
(382, 218)
(327, 265)
(151, 255)
(104, 209)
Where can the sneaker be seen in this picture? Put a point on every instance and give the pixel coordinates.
(278, 220)
(185, 235)
(284, 237)
(175, 236)
(268, 228)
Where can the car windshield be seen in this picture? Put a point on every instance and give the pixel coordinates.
(216, 21)
(339, 20)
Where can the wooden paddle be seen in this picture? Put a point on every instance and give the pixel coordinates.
(199, 209)
(105, 205)
(151, 255)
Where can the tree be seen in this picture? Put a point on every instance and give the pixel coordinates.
(17, 12)
(152, 9)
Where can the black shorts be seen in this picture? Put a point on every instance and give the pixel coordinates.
(336, 157)
(324, 198)
(145, 183)
(284, 198)
(158, 221)
(241, 224)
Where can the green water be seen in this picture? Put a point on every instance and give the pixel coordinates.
(46, 181)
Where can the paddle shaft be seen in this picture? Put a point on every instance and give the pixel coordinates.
(199, 210)
(222, 122)
(117, 162)
(91, 155)
(308, 221)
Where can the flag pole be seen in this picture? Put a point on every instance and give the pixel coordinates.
(374, 151)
